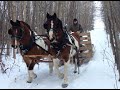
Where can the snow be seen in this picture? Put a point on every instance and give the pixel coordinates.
(99, 73)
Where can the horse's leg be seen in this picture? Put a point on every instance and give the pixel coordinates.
(50, 64)
(75, 63)
(50, 67)
(71, 60)
(56, 67)
(30, 65)
(78, 61)
(31, 74)
(65, 83)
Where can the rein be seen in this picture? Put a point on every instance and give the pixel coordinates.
(26, 48)
(73, 43)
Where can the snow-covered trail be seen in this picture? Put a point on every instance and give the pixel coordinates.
(97, 74)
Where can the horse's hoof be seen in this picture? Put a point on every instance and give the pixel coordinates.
(75, 71)
(29, 81)
(64, 85)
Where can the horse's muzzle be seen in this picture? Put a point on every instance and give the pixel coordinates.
(14, 46)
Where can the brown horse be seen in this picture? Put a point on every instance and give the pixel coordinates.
(30, 44)
(65, 44)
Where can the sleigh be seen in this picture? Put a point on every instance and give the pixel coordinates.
(86, 48)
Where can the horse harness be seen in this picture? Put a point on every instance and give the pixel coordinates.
(58, 46)
(26, 48)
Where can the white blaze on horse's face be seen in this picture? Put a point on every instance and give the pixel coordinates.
(16, 38)
(16, 43)
(51, 31)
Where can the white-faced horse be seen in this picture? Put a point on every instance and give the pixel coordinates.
(30, 44)
(65, 44)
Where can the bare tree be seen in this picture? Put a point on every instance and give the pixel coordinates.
(112, 22)
(34, 13)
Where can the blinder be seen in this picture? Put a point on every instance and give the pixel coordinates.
(20, 36)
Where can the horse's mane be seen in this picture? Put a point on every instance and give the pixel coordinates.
(60, 23)
(25, 24)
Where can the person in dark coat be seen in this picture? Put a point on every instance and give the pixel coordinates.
(76, 27)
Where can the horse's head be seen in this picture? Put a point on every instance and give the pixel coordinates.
(53, 25)
(17, 33)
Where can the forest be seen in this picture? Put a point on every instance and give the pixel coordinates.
(34, 13)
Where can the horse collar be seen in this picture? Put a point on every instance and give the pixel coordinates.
(57, 46)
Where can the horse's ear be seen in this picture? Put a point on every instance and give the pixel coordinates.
(17, 22)
(48, 15)
(9, 31)
(54, 15)
(12, 23)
